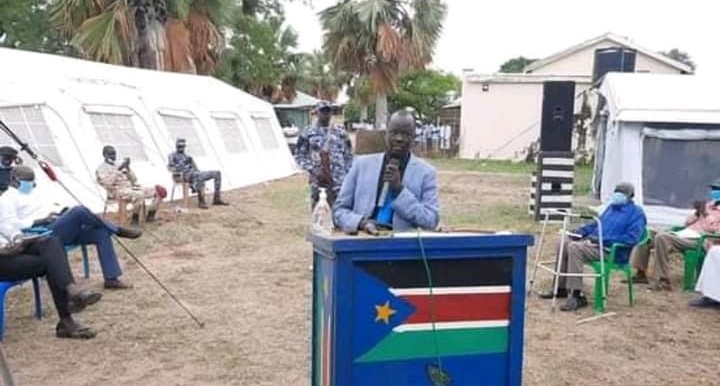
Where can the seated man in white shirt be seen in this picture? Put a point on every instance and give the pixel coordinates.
(74, 226)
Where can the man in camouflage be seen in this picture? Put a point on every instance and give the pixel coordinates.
(183, 167)
(122, 185)
(325, 152)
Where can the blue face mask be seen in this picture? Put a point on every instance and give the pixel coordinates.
(26, 187)
(618, 198)
(715, 195)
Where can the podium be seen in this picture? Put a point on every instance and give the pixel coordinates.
(429, 309)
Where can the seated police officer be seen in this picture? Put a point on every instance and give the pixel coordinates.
(183, 166)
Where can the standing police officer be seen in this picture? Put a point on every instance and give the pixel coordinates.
(325, 152)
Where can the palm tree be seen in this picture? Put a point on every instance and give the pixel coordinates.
(173, 35)
(320, 78)
(381, 38)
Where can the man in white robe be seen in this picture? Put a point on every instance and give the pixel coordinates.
(708, 284)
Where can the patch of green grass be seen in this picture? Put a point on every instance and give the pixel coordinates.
(583, 173)
(491, 218)
(487, 166)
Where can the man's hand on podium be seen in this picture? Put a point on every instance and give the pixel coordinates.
(368, 226)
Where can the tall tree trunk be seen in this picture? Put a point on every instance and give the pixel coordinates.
(363, 113)
(381, 112)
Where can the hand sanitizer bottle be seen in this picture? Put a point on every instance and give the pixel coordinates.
(322, 216)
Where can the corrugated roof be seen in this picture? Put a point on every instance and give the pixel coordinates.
(301, 100)
(524, 78)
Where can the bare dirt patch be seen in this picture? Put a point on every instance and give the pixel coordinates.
(244, 271)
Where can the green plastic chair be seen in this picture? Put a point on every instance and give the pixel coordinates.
(693, 259)
(610, 266)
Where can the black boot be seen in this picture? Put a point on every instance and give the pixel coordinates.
(218, 201)
(201, 201)
(575, 302)
(150, 216)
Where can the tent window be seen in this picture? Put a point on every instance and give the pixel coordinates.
(180, 127)
(265, 131)
(231, 135)
(29, 124)
(118, 130)
(675, 173)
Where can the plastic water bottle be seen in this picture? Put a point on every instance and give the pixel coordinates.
(322, 215)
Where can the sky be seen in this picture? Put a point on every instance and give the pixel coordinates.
(482, 34)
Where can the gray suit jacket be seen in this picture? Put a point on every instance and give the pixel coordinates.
(415, 207)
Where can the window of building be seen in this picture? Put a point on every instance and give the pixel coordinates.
(182, 127)
(28, 122)
(265, 131)
(119, 131)
(230, 132)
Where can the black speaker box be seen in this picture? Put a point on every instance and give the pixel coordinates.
(557, 116)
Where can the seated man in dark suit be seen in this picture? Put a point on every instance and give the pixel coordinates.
(392, 190)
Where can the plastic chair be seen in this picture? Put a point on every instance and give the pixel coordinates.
(4, 287)
(69, 248)
(85, 258)
(693, 259)
(185, 186)
(610, 266)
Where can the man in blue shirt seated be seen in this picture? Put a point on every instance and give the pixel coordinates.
(394, 190)
(622, 222)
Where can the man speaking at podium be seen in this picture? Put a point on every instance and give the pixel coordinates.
(393, 190)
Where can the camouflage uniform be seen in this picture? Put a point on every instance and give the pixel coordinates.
(311, 143)
(183, 165)
(123, 185)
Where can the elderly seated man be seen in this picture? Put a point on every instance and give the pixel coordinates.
(706, 219)
(122, 185)
(622, 222)
(394, 190)
(74, 226)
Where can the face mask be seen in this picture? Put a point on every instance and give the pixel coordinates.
(618, 198)
(26, 187)
(715, 195)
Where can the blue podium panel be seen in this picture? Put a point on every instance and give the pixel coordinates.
(415, 310)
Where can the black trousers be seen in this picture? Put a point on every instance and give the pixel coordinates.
(42, 258)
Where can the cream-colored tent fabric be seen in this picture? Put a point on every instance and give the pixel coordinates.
(67, 109)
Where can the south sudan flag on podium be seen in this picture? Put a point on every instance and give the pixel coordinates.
(408, 332)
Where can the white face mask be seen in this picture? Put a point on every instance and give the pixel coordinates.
(26, 187)
(618, 198)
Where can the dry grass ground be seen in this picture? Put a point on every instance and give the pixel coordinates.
(244, 271)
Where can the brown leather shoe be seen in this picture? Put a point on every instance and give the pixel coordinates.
(116, 284)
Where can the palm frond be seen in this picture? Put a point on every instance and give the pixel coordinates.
(97, 39)
(179, 9)
(179, 57)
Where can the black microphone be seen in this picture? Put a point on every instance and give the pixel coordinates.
(386, 185)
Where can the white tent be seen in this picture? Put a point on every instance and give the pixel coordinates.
(67, 109)
(662, 133)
